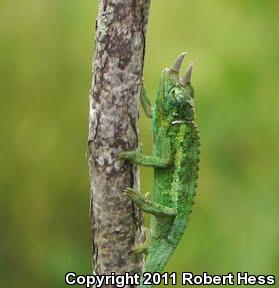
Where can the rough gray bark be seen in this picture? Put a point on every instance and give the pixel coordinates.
(116, 223)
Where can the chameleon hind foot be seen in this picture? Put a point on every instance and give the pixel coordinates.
(143, 247)
(149, 207)
(140, 249)
(137, 198)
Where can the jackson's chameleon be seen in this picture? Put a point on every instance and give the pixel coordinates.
(175, 160)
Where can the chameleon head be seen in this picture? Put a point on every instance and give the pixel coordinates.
(177, 94)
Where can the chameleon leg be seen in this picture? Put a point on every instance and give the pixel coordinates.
(147, 206)
(145, 103)
(162, 161)
(141, 248)
(137, 157)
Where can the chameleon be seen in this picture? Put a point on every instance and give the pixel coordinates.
(175, 159)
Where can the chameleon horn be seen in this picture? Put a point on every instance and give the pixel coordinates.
(186, 79)
(176, 66)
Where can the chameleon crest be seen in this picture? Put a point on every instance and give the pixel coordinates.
(175, 160)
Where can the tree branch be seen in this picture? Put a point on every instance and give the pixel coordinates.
(116, 223)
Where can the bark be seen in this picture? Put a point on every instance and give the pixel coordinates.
(116, 223)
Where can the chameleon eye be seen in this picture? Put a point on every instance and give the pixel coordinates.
(172, 93)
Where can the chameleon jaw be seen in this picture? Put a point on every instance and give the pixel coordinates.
(178, 122)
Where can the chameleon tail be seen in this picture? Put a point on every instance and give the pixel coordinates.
(158, 256)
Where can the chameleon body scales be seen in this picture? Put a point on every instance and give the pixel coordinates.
(175, 160)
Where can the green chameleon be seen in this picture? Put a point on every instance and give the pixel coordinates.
(175, 160)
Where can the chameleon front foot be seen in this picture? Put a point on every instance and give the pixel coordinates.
(131, 155)
(128, 155)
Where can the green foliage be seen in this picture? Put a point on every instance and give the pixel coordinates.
(45, 62)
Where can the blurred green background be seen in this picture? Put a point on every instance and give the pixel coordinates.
(45, 64)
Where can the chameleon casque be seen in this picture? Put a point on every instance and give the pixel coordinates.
(175, 160)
